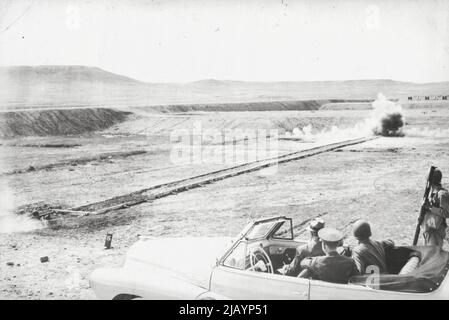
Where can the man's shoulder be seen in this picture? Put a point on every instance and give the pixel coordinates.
(387, 243)
(315, 261)
(327, 258)
(360, 248)
(443, 193)
(344, 258)
(372, 245)
(303, 248)
(316, 246)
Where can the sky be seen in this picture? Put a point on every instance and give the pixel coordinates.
(254, 40)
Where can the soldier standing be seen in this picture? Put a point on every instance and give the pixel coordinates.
(434, 224)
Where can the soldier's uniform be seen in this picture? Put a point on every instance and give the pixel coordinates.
(332, 267)
(434, 225)
(371, 253)
(312, 248)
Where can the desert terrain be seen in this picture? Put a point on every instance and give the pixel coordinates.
(75, 155)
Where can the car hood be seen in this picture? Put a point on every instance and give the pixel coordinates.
(190, 259)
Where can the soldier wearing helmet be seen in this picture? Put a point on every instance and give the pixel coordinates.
(331, 267)
(312, 248)
(434, 224)
(369, 253)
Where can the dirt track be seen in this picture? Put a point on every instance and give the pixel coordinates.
(160, 191)
(380, 180)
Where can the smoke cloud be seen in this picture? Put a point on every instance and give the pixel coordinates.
(9, 221)
(386, 118)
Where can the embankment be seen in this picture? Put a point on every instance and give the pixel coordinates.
(57, 121)
(294, 105)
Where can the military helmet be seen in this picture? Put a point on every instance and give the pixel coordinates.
(436, 177)
(361, 229)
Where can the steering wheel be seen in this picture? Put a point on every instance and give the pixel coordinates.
(259, 259)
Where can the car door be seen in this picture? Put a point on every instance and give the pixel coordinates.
(243, 284)
(321, 290)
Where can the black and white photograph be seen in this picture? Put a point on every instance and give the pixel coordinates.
(224, 150)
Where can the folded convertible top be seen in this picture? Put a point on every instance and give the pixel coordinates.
(427, 277)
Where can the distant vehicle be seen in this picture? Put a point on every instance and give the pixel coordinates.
(189, 268)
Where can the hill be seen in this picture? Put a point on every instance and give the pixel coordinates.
(63, 86)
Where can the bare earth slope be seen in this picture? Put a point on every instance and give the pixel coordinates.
(58, 121)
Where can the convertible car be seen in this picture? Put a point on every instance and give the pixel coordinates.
(248, 267)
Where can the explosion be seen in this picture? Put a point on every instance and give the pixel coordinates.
(391, 125)
(386, 119)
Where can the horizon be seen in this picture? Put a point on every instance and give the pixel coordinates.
(253, 41)
(214, 79)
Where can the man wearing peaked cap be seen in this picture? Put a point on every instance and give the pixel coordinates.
(312, 248)
(332, 267)
(330, 235)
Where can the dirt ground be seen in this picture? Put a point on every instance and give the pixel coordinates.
(381, 180)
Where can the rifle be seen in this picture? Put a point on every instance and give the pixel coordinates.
(424, 205)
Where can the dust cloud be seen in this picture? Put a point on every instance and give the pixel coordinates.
(9, 221)
(386, 119)
(427, 132)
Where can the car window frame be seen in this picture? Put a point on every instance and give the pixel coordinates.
(276, 223)
(267, 235)
(231, 251)
(290, 220)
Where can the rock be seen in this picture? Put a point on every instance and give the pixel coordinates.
(10, 264)
(44, 259)
(31, 168)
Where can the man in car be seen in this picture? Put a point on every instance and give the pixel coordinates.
(332, 267)
(312, 248)
(369, 253)
(434, 225)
